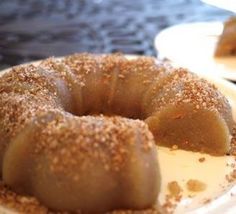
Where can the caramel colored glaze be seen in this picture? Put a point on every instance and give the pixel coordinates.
(49, 148)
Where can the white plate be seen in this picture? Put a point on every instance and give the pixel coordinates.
(192, 45)
(181, 165)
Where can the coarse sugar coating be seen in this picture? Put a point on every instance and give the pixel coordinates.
(113, 165)
(77, 129)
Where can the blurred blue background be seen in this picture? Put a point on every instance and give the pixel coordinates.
(34, 29)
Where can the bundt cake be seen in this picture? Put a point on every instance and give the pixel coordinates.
(75, 131)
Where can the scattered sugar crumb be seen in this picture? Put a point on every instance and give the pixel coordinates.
(231, 177)
(233, 141)
(207, 200)
(169, 205)
(174, 147)
(173, 198)
(202, 159)
(195, 185)
(174, 188)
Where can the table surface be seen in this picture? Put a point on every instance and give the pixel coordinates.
(35, 29)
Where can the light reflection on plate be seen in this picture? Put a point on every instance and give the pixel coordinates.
(192, 45)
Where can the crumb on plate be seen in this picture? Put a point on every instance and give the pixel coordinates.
(202, 159)
(174, 188)
(195, 185)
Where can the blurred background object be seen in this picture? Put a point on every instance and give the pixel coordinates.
(35, 29)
